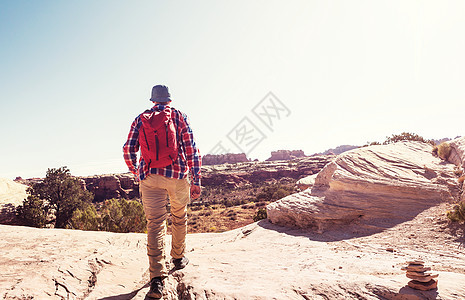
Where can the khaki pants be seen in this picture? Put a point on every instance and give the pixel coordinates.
(154, 190)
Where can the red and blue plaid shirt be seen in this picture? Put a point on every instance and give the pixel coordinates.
(188, 154)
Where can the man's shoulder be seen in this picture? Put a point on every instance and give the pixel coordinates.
(178, 113)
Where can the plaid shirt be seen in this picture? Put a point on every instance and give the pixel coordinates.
(188, 154)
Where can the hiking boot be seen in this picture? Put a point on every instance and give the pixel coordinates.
(180, 263)
(156, 288)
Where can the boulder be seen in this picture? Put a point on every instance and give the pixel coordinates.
(379, 185)
(457, 157)
(306, 182)
(457, 153)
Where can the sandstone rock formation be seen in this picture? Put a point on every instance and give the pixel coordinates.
(306, 182)
(112, 186)
(457, 154)
(457, 157)
(286, 155)
(12, 194)
(379, 185)
(228, 158)
(229, 175)
(339, 149)
(259, 261)
(258, 172)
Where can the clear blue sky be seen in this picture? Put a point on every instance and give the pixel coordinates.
(74, 74)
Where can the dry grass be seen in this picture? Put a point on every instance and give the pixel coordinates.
(443, 150)
(219, 218)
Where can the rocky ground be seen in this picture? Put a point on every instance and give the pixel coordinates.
(381, 206)
(258, 261)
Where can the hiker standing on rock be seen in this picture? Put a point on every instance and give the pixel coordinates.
(168, 155)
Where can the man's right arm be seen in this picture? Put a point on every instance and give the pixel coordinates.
(131, 148)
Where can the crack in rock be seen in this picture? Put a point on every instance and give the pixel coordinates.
(58, 290)
(95, 266)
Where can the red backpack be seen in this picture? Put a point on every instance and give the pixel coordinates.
(157, 138)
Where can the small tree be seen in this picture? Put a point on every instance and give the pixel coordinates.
(33, 212)
(86, 218)
(59, 193)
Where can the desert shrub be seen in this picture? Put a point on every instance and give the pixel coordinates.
(406, 136)
(273, 192)
(59, 194)
(244, 201)
(33, 212)
(260, 215)
(196, 208)
(206, 212)
(121, 215)
(230, 213)
(443, 150)
(86, 218)
(458, 213)
(461, 179)
(280, 193)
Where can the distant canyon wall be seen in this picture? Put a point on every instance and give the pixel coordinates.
(112, 186)
(286, 155)
(228, 158)
(229, 175)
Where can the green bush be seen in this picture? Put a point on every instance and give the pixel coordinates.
(33, 212)
(406, 136)
(280, 193)
(121, 215)
(458, 213)
(86, 218)
(273, 192)
(260, 215)
(116, 215)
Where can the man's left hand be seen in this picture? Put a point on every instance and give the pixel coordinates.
(195, 191)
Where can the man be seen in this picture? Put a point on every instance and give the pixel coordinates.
(160, 181)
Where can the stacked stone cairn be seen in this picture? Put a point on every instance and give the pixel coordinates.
(421, 277)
